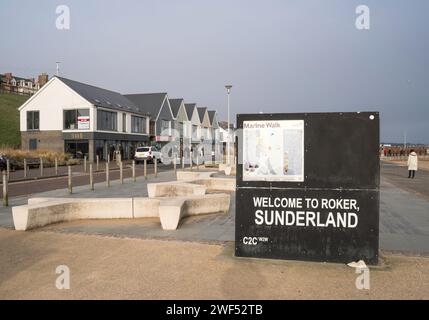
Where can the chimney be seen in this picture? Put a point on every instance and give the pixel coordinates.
(8, 76)
(43, 79)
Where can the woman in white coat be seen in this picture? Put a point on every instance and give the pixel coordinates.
(412, 164)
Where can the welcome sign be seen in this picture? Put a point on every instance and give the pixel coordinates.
(308, 186)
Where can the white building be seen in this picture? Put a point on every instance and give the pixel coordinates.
(77, 118)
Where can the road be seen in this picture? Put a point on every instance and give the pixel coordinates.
(79, 179)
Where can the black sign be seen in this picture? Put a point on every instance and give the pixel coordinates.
(308, 186)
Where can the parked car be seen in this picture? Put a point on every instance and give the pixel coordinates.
(148, 153)
(3, 163)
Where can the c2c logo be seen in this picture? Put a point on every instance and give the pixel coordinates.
(252, 241)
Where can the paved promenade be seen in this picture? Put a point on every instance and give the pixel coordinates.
(404, 215)
(135, 259)
(113, 268)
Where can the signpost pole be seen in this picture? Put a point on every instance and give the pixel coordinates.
(107, 175)
(228, 90)
(8, 169)
(91, 177)
(174, 164)
(25, 168)
(155, 163)
(41, 167)
(70, 187)
(5, 189)
(121, 172)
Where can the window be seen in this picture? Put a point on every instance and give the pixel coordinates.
(138, 124)
(124, 122)
(32, 144)
(107, 120)
(76, 119)
(181, 129)
(165, 127)
(33, 120)
(77, 148)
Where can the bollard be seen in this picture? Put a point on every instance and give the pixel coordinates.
(8, 169)
(155, 166)
(198, 162)
(91, 177)
(70, 179)
(108, 158)
(25, 168)
(134, 171)
(107, 174)
(5, 194)
(56, 166)
(41, 167)
(98, 161)
(190, 160)
(84, 164)
(121, 172)
(174, 164)
(183, 162)
(145, 169)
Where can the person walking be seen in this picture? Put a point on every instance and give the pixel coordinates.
(412, 164)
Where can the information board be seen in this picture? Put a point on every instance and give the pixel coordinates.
(308, 186)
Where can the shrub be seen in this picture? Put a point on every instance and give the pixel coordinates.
(48, 156)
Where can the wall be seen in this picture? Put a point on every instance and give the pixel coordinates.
(46, 140)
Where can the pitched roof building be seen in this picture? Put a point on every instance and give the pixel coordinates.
(83, 120)
(157, 105)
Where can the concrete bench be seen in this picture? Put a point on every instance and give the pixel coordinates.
(193, 175)
(44, 211)
(230, 170)
(174, 189)
(40, 213)
(171, 211)
(217, 184)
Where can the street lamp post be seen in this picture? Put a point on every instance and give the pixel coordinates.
(228, 90)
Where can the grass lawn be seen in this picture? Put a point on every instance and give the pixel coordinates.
(10, 135)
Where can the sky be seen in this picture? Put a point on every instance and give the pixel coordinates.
(280, 55)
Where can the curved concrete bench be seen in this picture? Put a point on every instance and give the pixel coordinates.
(174, 189)
(41, 213)
(193, 175)
(44, 211)
(217, 184)
(230, 170)
(171, 211)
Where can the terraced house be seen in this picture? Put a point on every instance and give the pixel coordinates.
(214, 125)
(157, 106)
(194, 123)
(23, 86)
(182, 125)
(85, 120)
(204, 123)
